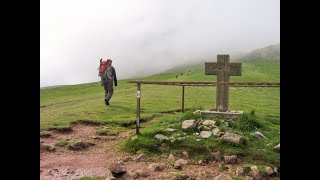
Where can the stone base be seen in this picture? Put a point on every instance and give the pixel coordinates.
(230, 115)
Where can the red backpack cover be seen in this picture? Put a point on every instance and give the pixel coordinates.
(103, 67)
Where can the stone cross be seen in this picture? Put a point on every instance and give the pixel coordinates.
(223, 69)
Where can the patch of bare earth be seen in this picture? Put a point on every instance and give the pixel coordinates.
(94, 160)
(70, 164)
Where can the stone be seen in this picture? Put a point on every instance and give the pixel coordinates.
(163, 147)
(206, 128)
(78, 145)
(181, 177)
(234, 138)
(45, 134)
(277, 147)
(110, 177)
(205, 134)
(117, 169)
(171, 158)
(201, 163)
(209, 122)
(255, 173)
(196, 112)
(171, 129)
(220, 114)
(185, 154)
(188, 124)
(229, 168)
(199, 120)
(127, 159)
(222, 177)
(239, 171)
(269, 171)
(140, 157)
(130, 175)
(95, 137)
(219, 134)
(142, 173)
(199, 128)
(275, 170)
(217, 156)
(179, 163)
(192, 177)
(231, 159)
(221, 166)
(258, 135)
(160, 137)
(155, 167)
(49, 147)
(215, 131)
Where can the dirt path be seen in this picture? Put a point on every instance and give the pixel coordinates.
(94, 161)
(68, 164)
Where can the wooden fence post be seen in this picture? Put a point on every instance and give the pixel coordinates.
(138, 108)
(182, 99)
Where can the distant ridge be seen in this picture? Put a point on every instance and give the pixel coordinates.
(269, 52)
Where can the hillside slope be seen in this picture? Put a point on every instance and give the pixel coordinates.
(61, 105)
(269, 52)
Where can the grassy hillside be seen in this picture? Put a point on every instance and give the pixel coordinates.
(61, 105)
(269, 52)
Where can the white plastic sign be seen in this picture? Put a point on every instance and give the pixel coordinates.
(138, 94)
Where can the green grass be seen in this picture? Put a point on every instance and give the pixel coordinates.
(61, 105)
(45, 134)
(49, 147)
(254, 151)
(248, 122)
(107, 131)
(63, 143)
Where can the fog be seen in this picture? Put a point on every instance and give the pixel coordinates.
(145, 37)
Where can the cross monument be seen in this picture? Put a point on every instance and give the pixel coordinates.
(223, 69)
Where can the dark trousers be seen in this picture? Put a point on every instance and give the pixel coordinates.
(108, 89)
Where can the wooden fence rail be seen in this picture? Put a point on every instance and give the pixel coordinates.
(183, 84)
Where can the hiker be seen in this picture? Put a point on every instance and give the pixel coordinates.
(107, 74)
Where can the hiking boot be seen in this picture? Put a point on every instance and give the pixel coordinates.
(107, 102)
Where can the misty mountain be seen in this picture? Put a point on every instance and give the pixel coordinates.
(269, 52)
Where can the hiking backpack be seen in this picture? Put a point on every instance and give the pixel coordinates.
(102, 67)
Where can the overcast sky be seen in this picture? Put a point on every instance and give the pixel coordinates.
(147, 36)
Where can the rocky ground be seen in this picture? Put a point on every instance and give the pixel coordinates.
(91, 155)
